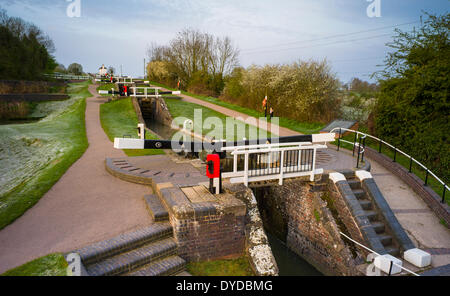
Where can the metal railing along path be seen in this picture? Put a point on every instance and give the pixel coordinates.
(362, 136)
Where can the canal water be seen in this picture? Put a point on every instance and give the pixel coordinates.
(289, 263)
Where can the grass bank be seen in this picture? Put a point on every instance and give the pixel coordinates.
(106, 86)
(118, 119)
(236, 267)
(34, 156)
(50, 265)
(301, 127)
(181, 110)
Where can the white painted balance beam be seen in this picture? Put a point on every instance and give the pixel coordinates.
(128, 143)
(321, 138)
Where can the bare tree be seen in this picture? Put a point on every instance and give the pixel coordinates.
(192, 51)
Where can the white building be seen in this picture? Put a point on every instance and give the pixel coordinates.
(102, 70)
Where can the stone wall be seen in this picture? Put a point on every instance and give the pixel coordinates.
(205, 230)
(442, 210)
(257, 245)
(346, 216)
(156, 108)
(312, 231)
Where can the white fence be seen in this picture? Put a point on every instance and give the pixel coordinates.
(274, 161)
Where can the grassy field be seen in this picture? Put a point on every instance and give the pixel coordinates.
(119, 119)
(33, 156)
(236, 267)
(50, 265)
(301, 127)
(181, 110)
(106, 86)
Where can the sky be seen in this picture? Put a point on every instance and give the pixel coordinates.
(117, 33)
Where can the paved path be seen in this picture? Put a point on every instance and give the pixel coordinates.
(86, 205)
(421, 224)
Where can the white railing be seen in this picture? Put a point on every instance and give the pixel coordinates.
(67, 76)
(360, 135)
(124, 79)
(274, 161)
(372, 252)
(145, 94)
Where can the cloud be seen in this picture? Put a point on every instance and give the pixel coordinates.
(117, 32)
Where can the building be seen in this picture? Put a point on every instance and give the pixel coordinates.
(102, 70)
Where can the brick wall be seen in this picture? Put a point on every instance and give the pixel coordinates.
(425, 192)
(210, 237)
(312, 231)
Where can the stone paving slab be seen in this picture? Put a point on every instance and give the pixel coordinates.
(127, 262)
(124, 242)
(168, 266)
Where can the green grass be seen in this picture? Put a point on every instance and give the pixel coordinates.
(106, 86)
(400, 159)
(236, 267)
(50, 265)
(181, 110)
(41, 153)
(301, 127)
(118, 119)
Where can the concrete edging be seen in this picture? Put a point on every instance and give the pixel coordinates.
(442, 210)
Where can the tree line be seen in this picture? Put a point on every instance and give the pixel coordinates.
(199, 61)
(207, 65)
(413, 108)
(26, 51)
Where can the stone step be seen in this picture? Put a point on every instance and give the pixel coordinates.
(365, 204)
(354, 184)
(124, 242)
(173, 265)
(385, 239)
(359, 193)
(132, 260)
(379, 227)
(371, 215)
(391, 250)
(183, 273)
(156, 208)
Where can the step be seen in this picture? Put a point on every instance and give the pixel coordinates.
(183, 273)
(365, 204)
(130, 261)
(393, 251)
(371, 215)
(379, 227)
(354, 184)
(359, 193)
(156, 208)
(385, 239)
(124, 242)
(173, 265)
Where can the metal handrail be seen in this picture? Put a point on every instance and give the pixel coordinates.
(396, 150)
